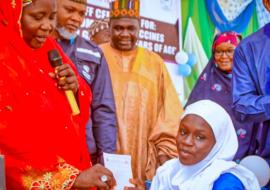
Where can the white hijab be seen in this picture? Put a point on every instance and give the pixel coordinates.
(175, 176)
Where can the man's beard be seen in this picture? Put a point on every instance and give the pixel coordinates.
(65, 34)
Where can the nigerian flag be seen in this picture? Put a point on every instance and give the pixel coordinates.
(199, 30)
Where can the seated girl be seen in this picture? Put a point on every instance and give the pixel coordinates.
(206, 143)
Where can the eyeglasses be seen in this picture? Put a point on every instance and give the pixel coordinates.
(228, 52)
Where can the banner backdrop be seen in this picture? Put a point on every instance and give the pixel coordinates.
(160, 30)
(159, 24)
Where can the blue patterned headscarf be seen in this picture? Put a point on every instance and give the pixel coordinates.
(215, 85)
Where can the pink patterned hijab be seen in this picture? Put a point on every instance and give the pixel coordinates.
(228, 37)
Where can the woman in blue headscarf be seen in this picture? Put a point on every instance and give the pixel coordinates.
(215, 84)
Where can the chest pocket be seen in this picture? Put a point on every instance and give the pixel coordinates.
(87, 62)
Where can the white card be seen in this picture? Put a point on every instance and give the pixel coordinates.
(120, 166)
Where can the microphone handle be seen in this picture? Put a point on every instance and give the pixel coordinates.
(72, 102)
(56, 60)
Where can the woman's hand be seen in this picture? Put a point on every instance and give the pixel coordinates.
(162, 159)
(91, 177)
(139, 185)
(66, 78)
(132, 188)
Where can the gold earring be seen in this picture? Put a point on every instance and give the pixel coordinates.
(13, 4)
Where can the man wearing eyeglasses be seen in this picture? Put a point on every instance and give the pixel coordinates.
(251, 84)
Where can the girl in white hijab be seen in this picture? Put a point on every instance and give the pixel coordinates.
(206, 144)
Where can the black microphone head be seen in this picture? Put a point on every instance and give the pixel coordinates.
(55, 58)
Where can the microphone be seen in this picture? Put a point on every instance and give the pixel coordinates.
(2, 173)
(56, 60)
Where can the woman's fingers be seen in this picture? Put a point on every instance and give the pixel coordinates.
(104, 171)
(64, 70)
(67, 79)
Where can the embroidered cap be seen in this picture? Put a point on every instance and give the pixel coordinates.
(125, 8)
